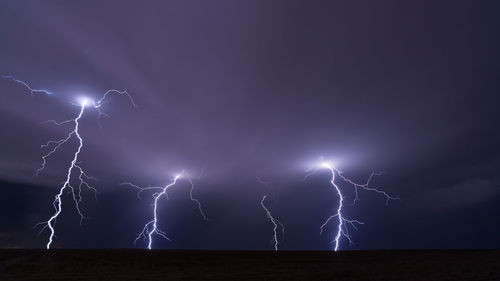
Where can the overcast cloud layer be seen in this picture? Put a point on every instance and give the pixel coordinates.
(234, 90)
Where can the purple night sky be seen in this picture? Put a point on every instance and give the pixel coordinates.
(234, 90)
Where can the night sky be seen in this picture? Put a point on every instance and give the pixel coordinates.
(234, 90)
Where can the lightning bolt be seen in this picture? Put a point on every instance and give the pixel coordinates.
(82, 177)
(75, 171)
(344, 223)
(151, 227)
(76, 196)
(276, 223)
(32, 91)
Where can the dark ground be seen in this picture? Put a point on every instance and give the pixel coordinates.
(248, 265)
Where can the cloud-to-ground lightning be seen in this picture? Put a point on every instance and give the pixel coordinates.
(151, 227)
(344, 223)
(75, 171)
(82, 177)
(58, 200)
(276, 223)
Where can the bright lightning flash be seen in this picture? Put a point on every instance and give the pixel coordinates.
(151, 227)
(82, 178)
(343, 223)
(84, 102)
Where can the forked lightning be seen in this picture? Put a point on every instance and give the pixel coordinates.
(151, 227)
(342, 222)
(75, 172)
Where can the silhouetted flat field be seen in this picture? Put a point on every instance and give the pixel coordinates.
(247, 265)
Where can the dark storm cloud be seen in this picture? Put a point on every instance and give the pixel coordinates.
(464, 193)
(259, 88)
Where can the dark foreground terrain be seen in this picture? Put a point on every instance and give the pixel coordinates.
(247, 265)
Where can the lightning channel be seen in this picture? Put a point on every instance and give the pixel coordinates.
(275, 241)
(75, 172)
(276, 223)
(344, 224)
(76, 196)
(151, 227)
(26, 85)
